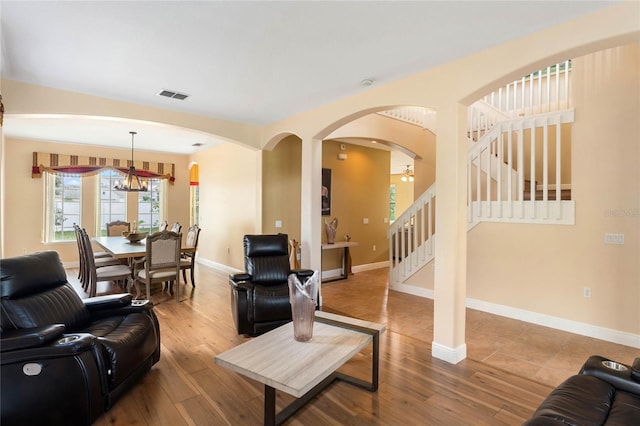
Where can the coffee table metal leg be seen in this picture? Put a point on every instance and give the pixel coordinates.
(269, 406)
(270, 416)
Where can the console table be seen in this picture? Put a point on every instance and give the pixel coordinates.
(346, 258)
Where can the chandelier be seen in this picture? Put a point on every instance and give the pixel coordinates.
(132, 182)
(407, 174)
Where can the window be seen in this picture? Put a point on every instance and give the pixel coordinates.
(113, 204)
(63, 204)
(392, 202)
(151, 206)
(195, 205)
(194, 194)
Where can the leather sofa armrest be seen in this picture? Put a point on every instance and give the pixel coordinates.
(237, 278)
(619, 377)
(63, 345)
(302, 273)
(30, 337)
(107, 302)
(635, 370)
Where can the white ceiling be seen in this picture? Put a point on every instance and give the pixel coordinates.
(247, 61)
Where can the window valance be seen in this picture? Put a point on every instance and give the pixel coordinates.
(86, 166)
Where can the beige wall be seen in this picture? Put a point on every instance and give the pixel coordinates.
(359, 189)
(545, 268)
(413, 139)
(24, 196)
(230, 199)
(281, 171)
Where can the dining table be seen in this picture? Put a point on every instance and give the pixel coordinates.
(121, 248)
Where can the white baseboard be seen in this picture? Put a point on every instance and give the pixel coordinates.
(218, 266)
(445, 353)
(583, 329)
(412, 289)
(370, 266)
(337, 273)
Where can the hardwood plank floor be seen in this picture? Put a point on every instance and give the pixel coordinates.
(511, 365)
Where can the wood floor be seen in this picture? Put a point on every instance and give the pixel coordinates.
(511, 366)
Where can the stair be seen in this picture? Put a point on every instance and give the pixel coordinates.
(565, 192)
(515, 138)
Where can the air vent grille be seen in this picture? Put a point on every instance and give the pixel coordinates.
(173, 95)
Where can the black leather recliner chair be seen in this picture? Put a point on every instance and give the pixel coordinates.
(260, 295)
(65, 360)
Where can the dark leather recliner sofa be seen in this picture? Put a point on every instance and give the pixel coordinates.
(66, 360)
(605, 392)
(260, 295)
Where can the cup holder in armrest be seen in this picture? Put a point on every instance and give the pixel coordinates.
(614, 365)
(68, 339)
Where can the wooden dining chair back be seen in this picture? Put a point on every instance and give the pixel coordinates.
(188, 258)
(162, 261)
(117, 227)
(101, 259)
(176, 227)
(108, 273)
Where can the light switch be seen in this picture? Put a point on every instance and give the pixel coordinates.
(365, 221)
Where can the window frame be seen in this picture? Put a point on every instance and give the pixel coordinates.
(113, 176)
(51, 199)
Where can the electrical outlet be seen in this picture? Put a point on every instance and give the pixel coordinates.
(278, 224)
(613, 238)
(586, 292)
(365, 221)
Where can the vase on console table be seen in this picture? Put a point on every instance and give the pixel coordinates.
(330, 229)
(303, 298)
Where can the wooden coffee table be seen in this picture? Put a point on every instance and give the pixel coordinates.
(303, 369)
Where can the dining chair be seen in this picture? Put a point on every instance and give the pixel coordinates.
(101, 259)
(161, 263)
(109, 273)
(176, 227)
(163, 226)
(188, 259)
(117, 227)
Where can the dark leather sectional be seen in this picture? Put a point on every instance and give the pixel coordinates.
(605, 392)
(66, 360)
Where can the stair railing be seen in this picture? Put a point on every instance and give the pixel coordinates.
(543, 91)
(496, 173)
(411, 237)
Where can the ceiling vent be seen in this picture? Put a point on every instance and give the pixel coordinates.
(173, 95)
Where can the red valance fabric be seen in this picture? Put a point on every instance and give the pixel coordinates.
(86, 166)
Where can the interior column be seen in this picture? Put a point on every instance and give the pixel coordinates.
(451, 236)
(310, 210)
